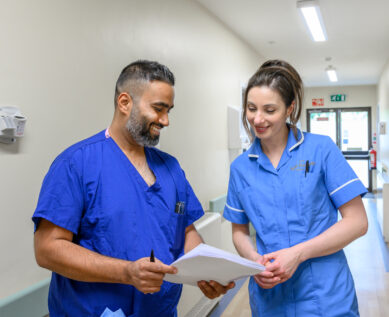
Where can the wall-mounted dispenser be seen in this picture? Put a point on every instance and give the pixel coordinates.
(12, 124)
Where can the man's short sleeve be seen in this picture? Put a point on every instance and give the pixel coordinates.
(61, 197)
(341, 181)
(233, 211)
(194, 209)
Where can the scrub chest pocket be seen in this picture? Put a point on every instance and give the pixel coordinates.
(178, 221)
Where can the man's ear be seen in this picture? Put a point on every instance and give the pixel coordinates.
(124, 103)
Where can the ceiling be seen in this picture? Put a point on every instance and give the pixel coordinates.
(357, 31)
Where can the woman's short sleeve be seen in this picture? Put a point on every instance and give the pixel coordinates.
(233, 210)
(341, 181)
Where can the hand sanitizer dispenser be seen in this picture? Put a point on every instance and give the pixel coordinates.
(12, 124)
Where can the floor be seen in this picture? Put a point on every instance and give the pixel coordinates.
(367, 257)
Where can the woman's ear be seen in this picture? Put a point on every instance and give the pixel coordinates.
(290, 108)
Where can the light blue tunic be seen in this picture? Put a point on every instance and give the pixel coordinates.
(288, 205)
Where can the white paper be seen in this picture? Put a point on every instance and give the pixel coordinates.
(205, 263)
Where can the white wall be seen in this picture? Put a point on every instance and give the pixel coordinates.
(356, 96)
(59, 61)
(383, 103)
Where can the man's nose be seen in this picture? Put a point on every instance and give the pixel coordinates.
(164, 119)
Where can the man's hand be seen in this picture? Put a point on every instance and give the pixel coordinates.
(148, 276)
(213, 289)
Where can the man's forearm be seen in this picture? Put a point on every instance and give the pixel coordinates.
(78, 263)
(192, 238)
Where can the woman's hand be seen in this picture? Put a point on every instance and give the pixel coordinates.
(283, 263)
(266, 279)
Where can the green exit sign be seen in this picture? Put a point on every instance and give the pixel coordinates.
(338, 97)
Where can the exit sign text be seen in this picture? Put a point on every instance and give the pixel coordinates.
(338, 97)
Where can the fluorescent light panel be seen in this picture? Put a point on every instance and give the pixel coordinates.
(311, 13)
(331, 73)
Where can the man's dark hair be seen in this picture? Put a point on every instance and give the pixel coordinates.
(133, 78)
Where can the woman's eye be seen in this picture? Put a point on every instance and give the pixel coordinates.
(251, 109)
(270, 110)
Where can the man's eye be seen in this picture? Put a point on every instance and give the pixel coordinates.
(158, 109)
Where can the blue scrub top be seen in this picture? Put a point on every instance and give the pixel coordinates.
(286, 206)
(94, 191)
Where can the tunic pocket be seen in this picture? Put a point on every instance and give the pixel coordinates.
(334, 285)
(316, 206)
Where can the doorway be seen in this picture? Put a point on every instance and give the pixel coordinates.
(350, 129)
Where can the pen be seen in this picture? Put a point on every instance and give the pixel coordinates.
(306, 168)
(152, 256)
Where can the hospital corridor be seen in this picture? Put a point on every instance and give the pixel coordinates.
(194, 158)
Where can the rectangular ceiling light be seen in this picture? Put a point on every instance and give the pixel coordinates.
(331, 73)
(311, 13)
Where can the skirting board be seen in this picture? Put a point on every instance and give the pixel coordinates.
(30, 302)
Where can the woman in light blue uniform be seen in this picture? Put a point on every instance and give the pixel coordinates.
(290, 185)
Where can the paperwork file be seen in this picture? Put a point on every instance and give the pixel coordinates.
(209, 263)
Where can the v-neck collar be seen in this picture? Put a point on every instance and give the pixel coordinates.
(133, 172)
(255, 151)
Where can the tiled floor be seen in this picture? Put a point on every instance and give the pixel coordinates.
(366, 259)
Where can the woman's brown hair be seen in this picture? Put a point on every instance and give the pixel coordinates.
(280, 76)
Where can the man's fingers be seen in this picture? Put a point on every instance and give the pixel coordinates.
(152, 276)
(165, 269)
(214, 289)
(159, 267)
(207, 289)
(219, 288)
(150, 290)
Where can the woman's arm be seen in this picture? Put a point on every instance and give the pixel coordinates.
(244, 246)
(243, 242)
(352, 225)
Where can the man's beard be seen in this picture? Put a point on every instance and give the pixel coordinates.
(139, 128)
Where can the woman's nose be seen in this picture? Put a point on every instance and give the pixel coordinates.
(258, 119)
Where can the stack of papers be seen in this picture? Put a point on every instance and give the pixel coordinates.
(206, 263)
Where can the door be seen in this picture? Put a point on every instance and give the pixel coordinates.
(350, 129)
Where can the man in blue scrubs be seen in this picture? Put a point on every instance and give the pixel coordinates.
(109, 200)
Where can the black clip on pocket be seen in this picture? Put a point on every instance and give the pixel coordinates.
(180, 208)
(179, 240)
